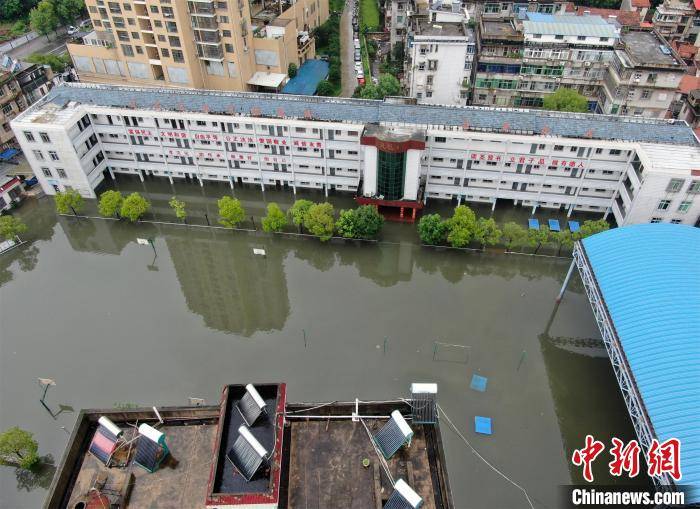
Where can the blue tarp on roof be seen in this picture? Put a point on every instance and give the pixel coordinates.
(649, 277)
(307, 79)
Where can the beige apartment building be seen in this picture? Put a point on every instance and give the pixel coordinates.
(238, 45)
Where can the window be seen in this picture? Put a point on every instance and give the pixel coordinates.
(646, 94)
(685, 206)
(663, 204)
(45, 137)
(53, 155)
(139, 50)
(655, 220)
(174, 41)
(674, 185)
(599, 151)
(581, 38)
(440, 139)
(164, 52)
(615, 152)
(178, 56)
(61, 173)
(161, 38)
(171, 26)
(676, 221)
(228, 47)
(46, 172)
(38, 155)
(558, 148)
(223, 19)
(29, 136)
(694, 187)
(421, 66)
(127, 50)
(432, 65)
(154, 9)
(226, 33)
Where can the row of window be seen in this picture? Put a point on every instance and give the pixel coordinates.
(39, 155)
(676, 185)
(683, 207)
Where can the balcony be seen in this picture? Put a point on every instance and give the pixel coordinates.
(201, 8)
(207, 37)
(204, 23)
(209, 52)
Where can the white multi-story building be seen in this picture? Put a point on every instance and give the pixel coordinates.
(638, 170)
(440, 61)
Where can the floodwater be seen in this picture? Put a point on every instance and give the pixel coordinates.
(84, 304)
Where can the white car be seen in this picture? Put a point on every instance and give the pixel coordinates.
(72, 30)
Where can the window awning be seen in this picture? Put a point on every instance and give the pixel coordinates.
(267, 79)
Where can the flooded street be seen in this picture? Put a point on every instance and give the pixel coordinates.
(84, 304)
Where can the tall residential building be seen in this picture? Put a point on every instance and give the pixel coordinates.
(390, 154)
(211, 44)
(678, 20)
(439, 61)
(642, 78)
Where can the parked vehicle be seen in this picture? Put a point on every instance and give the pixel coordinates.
(72, 30)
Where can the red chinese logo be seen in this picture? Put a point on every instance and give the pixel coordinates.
(586, 455)
(665, 458)
(625, 458)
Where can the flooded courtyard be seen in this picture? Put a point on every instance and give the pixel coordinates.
(115, 323)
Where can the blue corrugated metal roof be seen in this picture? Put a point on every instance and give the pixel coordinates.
(649, 276)
(573, 125)
(307, 79)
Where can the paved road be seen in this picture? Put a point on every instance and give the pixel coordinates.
(56, 45)
(347, 52)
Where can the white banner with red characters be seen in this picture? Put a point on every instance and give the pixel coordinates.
(138, 132)
(541, 161)
(230, 138)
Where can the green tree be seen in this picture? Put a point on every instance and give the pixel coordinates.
(432, 229)
(110, 203)
(364, 222)
(20, 26)
(537, 237)
(178, 207)
(134, 206)
(563, 239)
(514, 235)
(68, 201)
(231, 212)
(319, 220)
(275, 220)
(292, 70)
(389, 85)
(487, 232)
(43, 18)
(68, 10)
(18, 447)
(461, 226)
(591, 227)
(299, 211)
(371, 91)
(11, 227)
(398, 52)
(58, 63)
(566, 99)
(325, 88)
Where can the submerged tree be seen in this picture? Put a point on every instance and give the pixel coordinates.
(11, 227)
(68, 201)
(563, 239)
(487, 232)
(364, 222)
(298, 211)
(110, 203)
(231, 212)
(134, 206)
(537, 237)
(18, 447)
(461, 226)
(432, 229)
(275, 220)
(514, 235)
(178, 207)
(591, 227)
(319, 220)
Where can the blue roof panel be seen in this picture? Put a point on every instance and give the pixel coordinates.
(475, 118)
(649, 276)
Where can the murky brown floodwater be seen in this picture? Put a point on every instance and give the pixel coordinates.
(83, 304)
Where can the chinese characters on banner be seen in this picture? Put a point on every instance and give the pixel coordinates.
(662, 458)
(220, 156)
(562, 163)
(283, 142)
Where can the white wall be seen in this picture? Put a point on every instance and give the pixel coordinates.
(412, 176)
(369, 169)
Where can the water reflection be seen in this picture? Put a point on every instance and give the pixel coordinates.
(39, 476)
